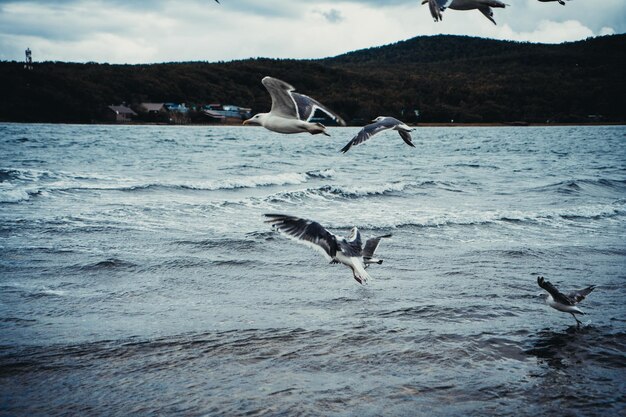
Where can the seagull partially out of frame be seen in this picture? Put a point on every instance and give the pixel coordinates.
(484, 6)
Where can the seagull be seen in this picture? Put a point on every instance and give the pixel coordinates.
(370, 247)
(291, 112)
(344, 250)
(561, 2)
(381, 123)
(566, 303)
(484, 6)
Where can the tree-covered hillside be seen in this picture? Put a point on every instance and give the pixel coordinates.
(444, 77)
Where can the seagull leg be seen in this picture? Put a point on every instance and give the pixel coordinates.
(578, 322)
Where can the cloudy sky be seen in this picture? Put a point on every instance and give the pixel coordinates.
(129, 31)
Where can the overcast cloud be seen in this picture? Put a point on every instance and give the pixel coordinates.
(130, 31)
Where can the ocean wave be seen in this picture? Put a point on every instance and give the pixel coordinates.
(230, 244)
(365, 190)
(19, 185)
(14, 195)
(578, 186)
(108, 264)
(410, 218)
(331, 192)
(288, 178)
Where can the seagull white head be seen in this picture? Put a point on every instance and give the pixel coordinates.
(257, 119)
(379, 118)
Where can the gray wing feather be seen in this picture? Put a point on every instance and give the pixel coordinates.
(436, 7)
(406, 137)
(282, 101)
(486, 10)
(307, 106)
(578, 295)
(371, 245)
(305, 230)
(350, 249)
(496, 3)
(369, 131)
(556, 294)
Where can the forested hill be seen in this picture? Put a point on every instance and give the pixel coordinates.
(444, 77)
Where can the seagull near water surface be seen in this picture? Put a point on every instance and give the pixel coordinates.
(380, 124)
(291, 112)
(484, 6)
(564, 302)
(348, 251)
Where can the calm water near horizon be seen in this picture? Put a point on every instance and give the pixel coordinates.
(137, 275)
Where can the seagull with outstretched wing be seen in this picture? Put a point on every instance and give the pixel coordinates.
(564, 302)
(291, 112)
(381, 123)
(345, 250)
(437, 7)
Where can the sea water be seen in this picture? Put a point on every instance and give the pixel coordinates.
(137, 274)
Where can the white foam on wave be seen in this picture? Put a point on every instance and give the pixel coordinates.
(12, 195)
(289, 178)
(25, 183)
(368, 190)
(381, 216)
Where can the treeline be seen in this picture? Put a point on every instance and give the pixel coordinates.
(443, 77)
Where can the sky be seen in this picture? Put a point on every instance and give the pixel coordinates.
(129, 31)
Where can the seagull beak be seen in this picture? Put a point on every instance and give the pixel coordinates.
(246, 122)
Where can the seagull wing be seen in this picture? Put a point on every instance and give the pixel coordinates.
(436, 7)
(406, 137)
(282, 101)
(558, 296)
(369, 131)
(578, 295)
(371, 245)
(494, 3)
(306, 107)
(350, 248)
(305, 231)
(486, 10)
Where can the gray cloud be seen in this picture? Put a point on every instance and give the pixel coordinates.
(168, 30)
(332, 15)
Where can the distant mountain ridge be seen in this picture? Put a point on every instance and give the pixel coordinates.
(443, 77)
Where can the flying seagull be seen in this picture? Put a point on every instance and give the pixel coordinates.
(336, 249)
(291, 111)
(566, 303)
(560, 1)
(484, 6)
(381, 123)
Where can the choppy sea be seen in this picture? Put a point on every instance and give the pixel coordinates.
(137, 276)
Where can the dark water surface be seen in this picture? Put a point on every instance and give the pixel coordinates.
(137, 275)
